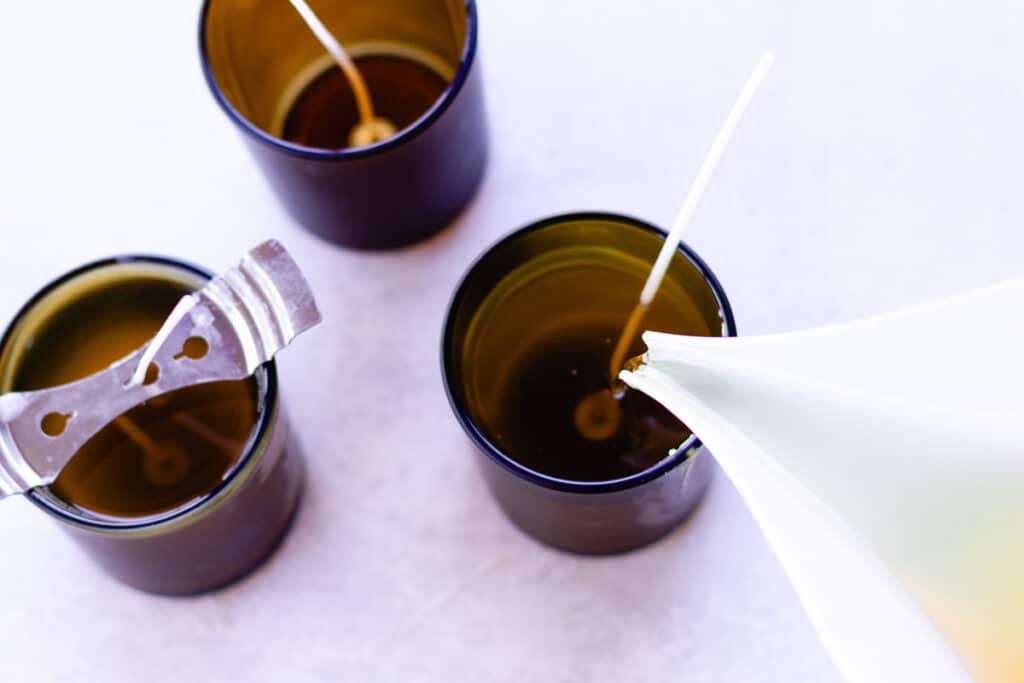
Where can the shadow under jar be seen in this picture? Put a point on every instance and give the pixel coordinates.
(529, 336)
(296, 110)
(183, 493)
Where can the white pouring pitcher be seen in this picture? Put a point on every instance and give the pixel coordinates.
(884, 462)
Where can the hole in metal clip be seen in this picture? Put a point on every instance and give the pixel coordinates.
(194, 348)
(54, 424)
(152, 375)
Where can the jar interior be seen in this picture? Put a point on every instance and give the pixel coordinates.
(534, 328)
(263, 57)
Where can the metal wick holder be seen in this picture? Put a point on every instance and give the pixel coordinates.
(224, 331)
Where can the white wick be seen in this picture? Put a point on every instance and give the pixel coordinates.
(700, 184)
(370, 129)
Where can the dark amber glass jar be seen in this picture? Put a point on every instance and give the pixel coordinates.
(498, 308)
(259, 57)
(225, 521)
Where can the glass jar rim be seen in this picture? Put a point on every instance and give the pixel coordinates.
(258, 435)
(476, 434)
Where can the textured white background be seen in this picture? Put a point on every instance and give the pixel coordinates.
(880, 166)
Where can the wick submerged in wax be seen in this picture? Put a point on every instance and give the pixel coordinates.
(598, 416)
(370, 128)
(592, 413)
(163, 464)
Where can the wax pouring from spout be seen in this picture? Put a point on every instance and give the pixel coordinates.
(224, 331)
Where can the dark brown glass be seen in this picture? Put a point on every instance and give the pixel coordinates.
(183, 493)
(272, 78)
(529, 333)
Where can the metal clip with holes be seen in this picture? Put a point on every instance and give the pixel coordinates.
(224, 331)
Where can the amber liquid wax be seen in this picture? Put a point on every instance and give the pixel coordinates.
(162, 454)
(550, 343)
(325, 112)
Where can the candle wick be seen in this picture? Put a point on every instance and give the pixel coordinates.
(200, 430)
(138, 437)
(370, 128)
(162, 465)
(675, 236)
(167, 463)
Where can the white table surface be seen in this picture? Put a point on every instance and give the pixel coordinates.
(879, 167)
